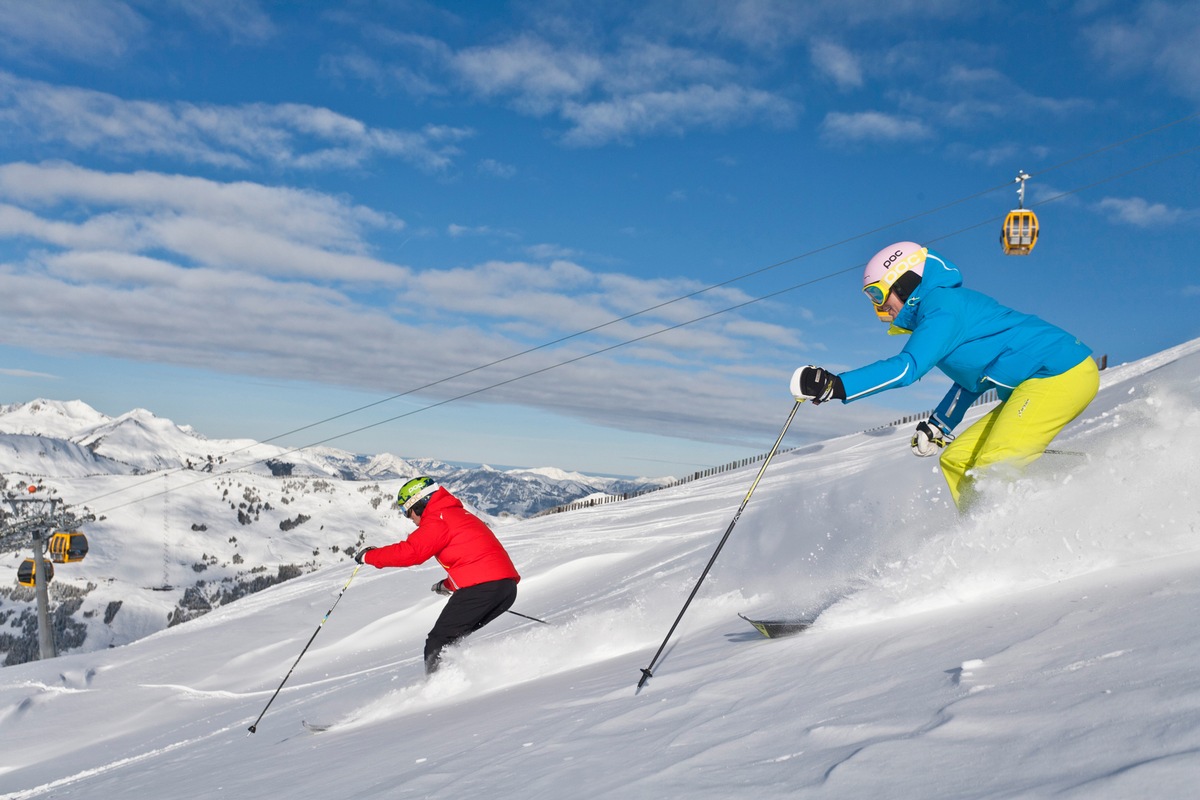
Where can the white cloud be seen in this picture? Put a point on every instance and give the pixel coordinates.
(872, 126)
(551, 252)
(640, 65)
(240, 20)
(305, 214)
(79, 30)
(529, 69)
(250, 279)
(672, 112)
(498, 169)
(94, 32)
(457, 231)
(767, 332)
(1005, 153)
(147, 309)
(234, 225)
(838, 64)
(641, 88)
(1142, 213)
(25, 373)
(144, 308)
(973, 96)
(236, 137)
(1157, 37)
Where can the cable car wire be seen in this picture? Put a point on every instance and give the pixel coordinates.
(667, 329)
(721, 284)
(989, 221)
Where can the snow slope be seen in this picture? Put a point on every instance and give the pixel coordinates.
(1043, 646)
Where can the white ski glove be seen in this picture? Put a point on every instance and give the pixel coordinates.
(816, 384)
(929, 439)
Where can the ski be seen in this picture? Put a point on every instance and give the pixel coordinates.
(314, 727)
(777, 628)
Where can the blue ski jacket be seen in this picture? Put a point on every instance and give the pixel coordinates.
(977, 342)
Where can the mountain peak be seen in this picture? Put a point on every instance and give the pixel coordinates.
(60, 419)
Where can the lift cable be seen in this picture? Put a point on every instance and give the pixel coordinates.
(667, 329)
(719, 285)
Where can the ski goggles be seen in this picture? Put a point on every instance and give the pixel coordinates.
(879, 291)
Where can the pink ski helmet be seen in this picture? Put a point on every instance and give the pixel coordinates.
(887, 266)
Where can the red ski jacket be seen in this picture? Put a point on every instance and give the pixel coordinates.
(458, 539)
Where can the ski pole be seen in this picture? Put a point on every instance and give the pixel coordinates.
(254, 727)
(647, 673)
(526, 616)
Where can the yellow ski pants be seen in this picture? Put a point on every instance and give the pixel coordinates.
(1016, 432)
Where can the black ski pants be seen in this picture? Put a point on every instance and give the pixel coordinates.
(467, 610)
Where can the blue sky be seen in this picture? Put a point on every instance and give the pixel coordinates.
(592, 236)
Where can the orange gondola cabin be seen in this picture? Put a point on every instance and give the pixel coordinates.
(1020, 231)
(27, 572)
(66, 547)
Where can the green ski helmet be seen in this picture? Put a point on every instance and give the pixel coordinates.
(414, 493)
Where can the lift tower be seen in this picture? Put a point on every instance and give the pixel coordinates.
(37, 511)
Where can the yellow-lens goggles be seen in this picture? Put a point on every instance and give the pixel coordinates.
(878, 291)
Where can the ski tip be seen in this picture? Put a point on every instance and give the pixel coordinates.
(777, 628)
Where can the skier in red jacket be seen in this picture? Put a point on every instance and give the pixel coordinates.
(482, 581)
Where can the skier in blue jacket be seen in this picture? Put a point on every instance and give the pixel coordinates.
(1043, 375)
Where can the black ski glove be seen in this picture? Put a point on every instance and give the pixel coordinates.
(441, 588)
(816, 384)
(359, 555)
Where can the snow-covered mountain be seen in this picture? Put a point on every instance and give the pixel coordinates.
(139, 442)
(1042, 646)
(181, 524)
(50, 418)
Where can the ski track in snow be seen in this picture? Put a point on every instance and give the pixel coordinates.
(119, 764)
